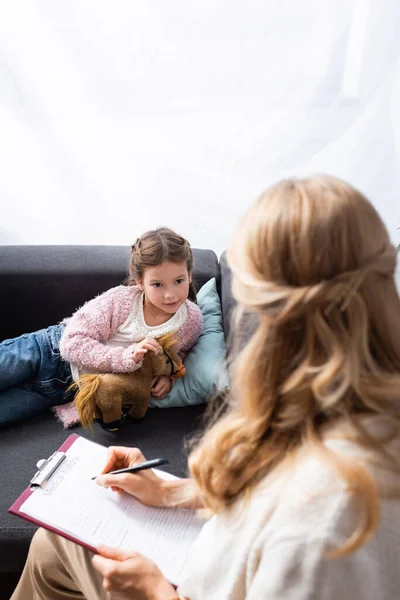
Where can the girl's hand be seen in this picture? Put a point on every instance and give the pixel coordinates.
(143, 347)
(161, 386)
(128, 574)
(144, 485)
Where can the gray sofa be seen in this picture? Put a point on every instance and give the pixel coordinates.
(39, 286)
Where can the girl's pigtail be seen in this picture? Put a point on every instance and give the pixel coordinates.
(192, 292)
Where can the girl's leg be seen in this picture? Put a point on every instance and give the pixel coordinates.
(33, 377)
(57, 569)
(20, 359)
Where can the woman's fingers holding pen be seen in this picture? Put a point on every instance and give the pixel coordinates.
(120, 457)
(144, 485)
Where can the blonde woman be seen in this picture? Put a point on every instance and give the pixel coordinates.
(301, 472)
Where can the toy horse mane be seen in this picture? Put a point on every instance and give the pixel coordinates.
(107, 397)
(168, 342)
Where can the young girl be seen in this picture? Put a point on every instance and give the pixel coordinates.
(111, 333)
(304, 463)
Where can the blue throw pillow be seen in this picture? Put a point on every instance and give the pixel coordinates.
(205, 364)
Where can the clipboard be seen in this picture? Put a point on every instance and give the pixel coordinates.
(62, 493)
(46, 469)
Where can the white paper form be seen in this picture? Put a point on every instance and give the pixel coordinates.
(73, 503)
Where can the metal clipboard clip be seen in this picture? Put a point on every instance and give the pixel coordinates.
(46, 466)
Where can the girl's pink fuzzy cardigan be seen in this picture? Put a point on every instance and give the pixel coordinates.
(82, 342)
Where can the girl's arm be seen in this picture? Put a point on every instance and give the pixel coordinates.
(190, 330)
(83, 342)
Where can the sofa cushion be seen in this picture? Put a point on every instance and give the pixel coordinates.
(205, 363)
(162, 433)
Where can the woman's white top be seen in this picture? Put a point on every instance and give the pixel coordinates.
(274, 547)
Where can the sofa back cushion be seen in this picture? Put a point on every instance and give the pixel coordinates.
(41, 285)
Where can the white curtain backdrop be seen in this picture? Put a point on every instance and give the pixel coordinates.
(116, 117)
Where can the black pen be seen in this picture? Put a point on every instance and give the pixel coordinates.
(148, 464)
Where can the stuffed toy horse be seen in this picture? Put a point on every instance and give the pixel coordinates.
(107, 397)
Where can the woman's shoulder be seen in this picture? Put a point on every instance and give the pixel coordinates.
(302, 502)
(311, 492)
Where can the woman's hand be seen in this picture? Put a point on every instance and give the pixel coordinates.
(128, 574)
(143, 347)
(161, 386)
(144, 485)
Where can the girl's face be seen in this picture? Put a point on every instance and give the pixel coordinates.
(166, 286)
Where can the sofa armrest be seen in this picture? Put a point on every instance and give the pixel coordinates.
(227, 300)
(249, 321)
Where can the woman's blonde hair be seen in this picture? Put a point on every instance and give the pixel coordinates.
(313, 260)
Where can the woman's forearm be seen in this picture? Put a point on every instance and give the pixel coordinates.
(176, 492)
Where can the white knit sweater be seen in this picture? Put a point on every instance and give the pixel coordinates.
(273, 549)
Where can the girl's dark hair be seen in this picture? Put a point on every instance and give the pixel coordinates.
(156, 246)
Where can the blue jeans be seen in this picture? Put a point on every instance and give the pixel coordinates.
(33, 376)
